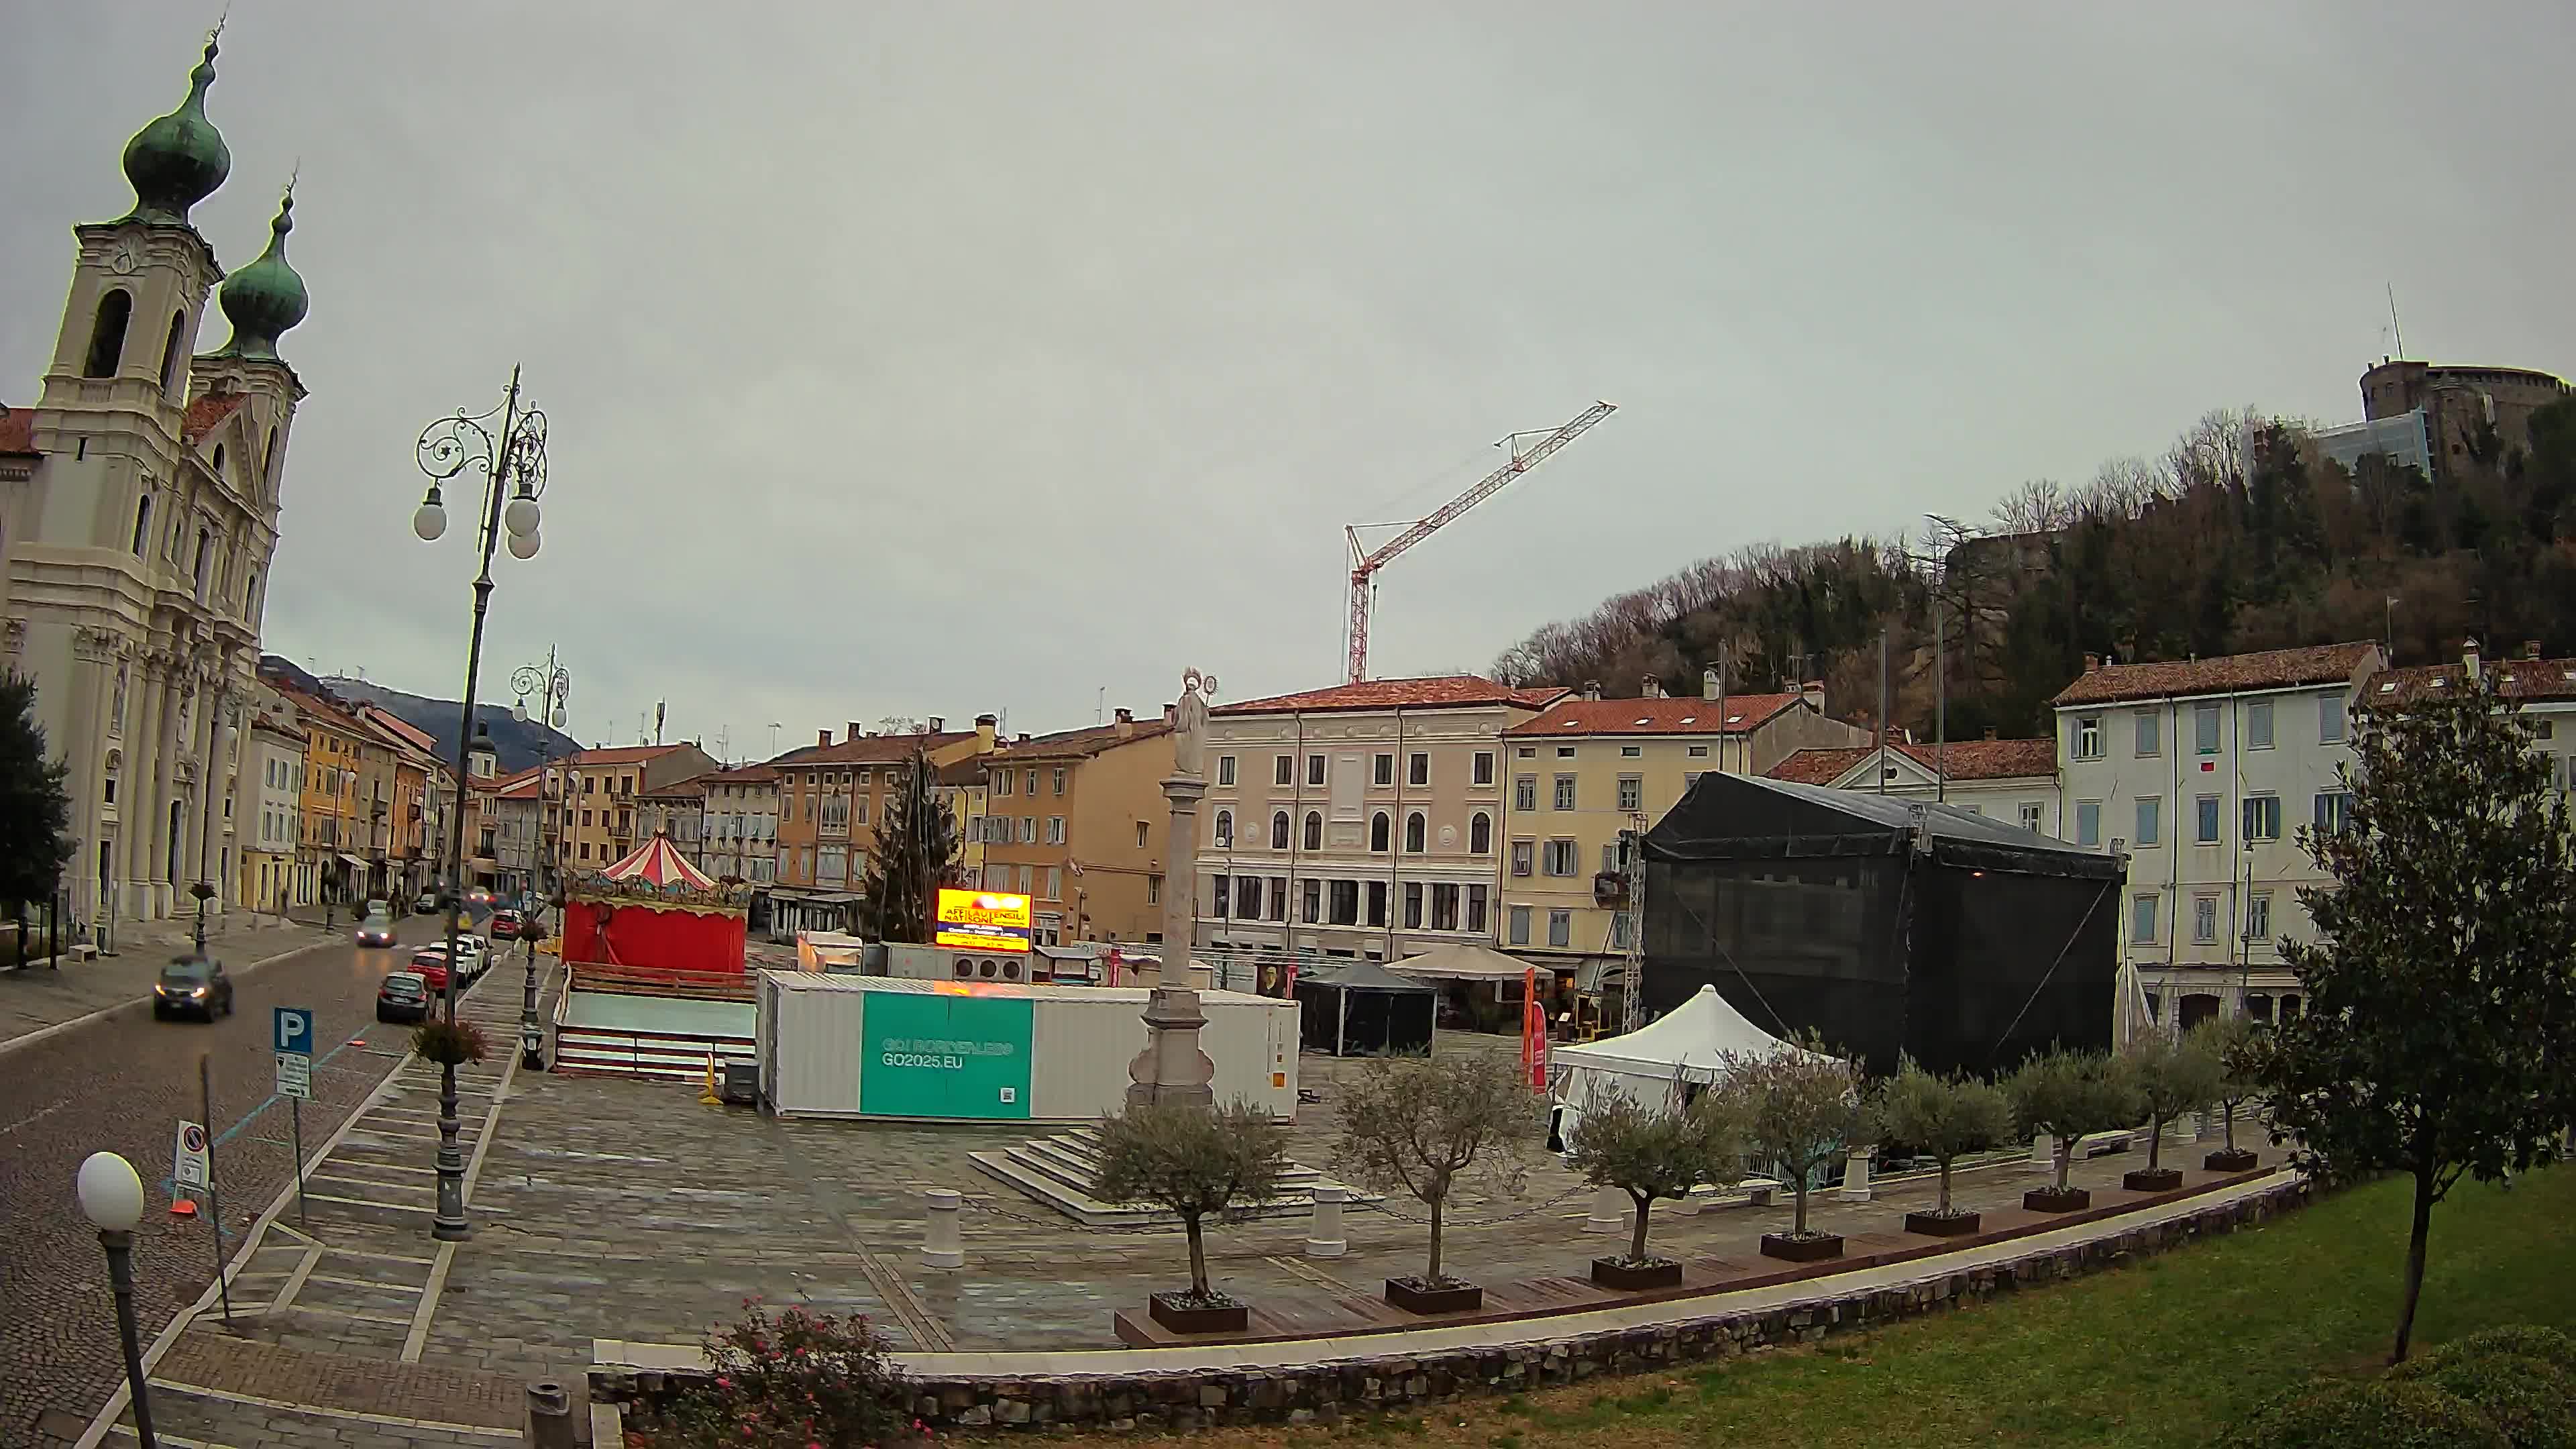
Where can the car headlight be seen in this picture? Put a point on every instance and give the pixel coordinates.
(197, 991)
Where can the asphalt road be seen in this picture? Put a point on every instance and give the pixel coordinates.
(124, 1084)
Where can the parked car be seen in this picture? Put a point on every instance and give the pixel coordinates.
(404, 996)
(426, 905)
(429, 963)
(192, 986)
(376, 931)
(506, 925)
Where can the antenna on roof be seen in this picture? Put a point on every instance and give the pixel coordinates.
(2394, 329)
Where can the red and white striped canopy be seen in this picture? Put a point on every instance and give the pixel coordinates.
(658, 865)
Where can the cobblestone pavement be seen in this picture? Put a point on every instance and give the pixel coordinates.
(34, 998)
(123, 1083)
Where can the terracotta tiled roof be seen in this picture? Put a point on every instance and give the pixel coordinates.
(207, 412)
(1083, 743)
(746, 775)
(17, 430)
(1963, 759)
(623, 755)
(2228, 674)
(1655, 716)
(2522, 679)
(871, 749)
(1441, 691)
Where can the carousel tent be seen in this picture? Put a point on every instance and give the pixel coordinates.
(1461, 961)
(654, 911)
(1667, 1059)
(1359, 1008)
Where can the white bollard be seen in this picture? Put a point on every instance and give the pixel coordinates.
(2043, 1152)
(1324, 1235)
(1609, 1211)
(1855, 1176)
(940, 1246)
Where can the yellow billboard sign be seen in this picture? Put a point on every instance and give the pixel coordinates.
(983, 921)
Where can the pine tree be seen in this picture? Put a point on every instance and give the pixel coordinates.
(35, 809)
(2439, 1038)
(916, 853)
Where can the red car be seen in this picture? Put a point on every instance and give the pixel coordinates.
(506, 925)
(430, 966)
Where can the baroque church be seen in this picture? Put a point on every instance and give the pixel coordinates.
(138, 513)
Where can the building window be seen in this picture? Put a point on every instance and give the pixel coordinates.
(2204, 729)
(1523, 853)
(2088, 737)
(1520, 925)
(2330, 722)
(1028, 830)
(107, 334)
(1055, 883)
(1225, 769)
(1377, 903)
(2150, 733)
(1525, 792)
(1279, 899)
(2334, 811)
(1346, 903)
(1476, 895)
(2088, 822)
(2032, 813)
(1632, 793)
(1484, 768)
(1525, 752)
(1247, 891)
(2258, 916)
(2151, 810)
(1631, 752)
(1059, 779)
(1621, 926)
(2258, 725)
(1314, 769)
(1379, 832)
(1413, 905)
(1031, 781)
(1565, 752)
(1154, 892)
(2262, 817)
(2205, 824)
(1285, 771)
(1444, 907)
(2204, 920)
(2142, 920)
(1055, 830)
(1002, 782)
(1698, 752)
(1279, 830)
(1417, 770)
(1224, 830)
(1480, 834)
(1415, 829)
(142, 523)
(1382, 769)
(1314, 830)
(1565, 792)
(1560, 928)
(1560, 859)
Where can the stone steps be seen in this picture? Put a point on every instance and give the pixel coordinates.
(1060, 1170)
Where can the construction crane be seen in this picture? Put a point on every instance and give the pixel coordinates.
(1365, 562)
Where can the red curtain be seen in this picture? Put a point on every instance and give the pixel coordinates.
(625, 934)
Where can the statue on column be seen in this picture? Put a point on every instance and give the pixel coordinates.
(1189, 723)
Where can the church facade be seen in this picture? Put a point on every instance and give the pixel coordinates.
(139, 503)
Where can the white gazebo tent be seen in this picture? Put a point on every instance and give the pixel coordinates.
(1461, 961)
(1656, 1065)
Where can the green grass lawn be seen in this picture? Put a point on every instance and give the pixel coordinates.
(2159, 1353)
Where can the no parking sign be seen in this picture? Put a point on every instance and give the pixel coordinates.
(188, 1159)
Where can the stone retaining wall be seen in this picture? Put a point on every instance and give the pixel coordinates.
(1323, 1393)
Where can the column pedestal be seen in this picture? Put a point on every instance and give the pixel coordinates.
(1324, 1237)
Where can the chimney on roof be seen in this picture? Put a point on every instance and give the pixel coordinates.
(1023, 739)
(986, 727)
(2092, 663)
(1813, 691)
(939, 724)
(1708, 687)
(1172, 714)
(2530, 648)
(822, 737)
(856, 732)
(1126, 723)
(1652, 688)
(1990, 732)
(2469, 658)
(1592, 689)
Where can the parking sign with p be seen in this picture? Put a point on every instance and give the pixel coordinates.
(294, 1030)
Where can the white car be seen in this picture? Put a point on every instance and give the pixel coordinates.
(473, 956)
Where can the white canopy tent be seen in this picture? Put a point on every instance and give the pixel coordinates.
(1461, 961)
(1653, 1065)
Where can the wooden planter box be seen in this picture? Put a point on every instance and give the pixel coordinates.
(2236, 1160)
(1801, 1250)
(2152, 1179)
(1404, 1293)
(1938, 1225)
(1631, 1278)
(2050, 1200)
(1181, 1317)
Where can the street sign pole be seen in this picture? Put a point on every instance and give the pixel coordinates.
(295, 1106)
(291, 1035)
(214, 1196)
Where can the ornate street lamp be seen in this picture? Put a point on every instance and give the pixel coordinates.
(111, 1197)
(513, 465)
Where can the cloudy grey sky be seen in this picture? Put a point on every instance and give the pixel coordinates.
(932, 358)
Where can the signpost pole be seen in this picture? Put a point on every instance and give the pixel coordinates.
(291, 1033)
(295, 1108)
(214, 1196)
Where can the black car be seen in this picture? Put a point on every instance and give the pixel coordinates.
(403, 996)
(192, 986)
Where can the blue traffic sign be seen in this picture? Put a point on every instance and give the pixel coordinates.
(294, 1030)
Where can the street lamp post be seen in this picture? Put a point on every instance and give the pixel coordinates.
(111, 1197)
(516, 459)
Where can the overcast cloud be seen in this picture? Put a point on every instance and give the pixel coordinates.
(935, 358)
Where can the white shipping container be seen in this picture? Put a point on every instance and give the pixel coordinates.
(813, 1045)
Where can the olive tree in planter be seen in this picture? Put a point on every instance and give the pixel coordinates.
(1195, 1162)
(1425, 1126)
(1944, 1118)
(2172, 1077)
(1799, 1105)
(1649, 1154)
(2068, 1094)
(2238, 1044)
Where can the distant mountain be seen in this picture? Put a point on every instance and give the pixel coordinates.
(517, 744)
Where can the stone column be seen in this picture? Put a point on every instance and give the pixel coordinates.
(178, 693)
(138, 804)
(1172, 1068)
(94, 691)
(1181, 876)
(941, 1247)
(1324, 1236)
(1855, 1186)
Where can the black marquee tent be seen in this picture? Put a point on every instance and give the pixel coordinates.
(1355, 1008)
(1886, 924)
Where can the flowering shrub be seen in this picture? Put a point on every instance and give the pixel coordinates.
(793, 1379)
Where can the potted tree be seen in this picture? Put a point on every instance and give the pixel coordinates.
(1652, 1154)
(2068, 1094)
(2239, 1043)
(1423, 1126)
(2172, 1077)
(1944, 1117)
(1194, 1162)
(1798, 1106)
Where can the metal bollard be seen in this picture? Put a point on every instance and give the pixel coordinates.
(1855, 1176)
(1324, 1237)
(550, 1421)
(940, 1245)
(1609, 1211)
